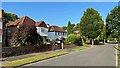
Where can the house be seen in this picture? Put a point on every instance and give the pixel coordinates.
(77, 32)
(56, 32)
(11, 27)
(42, 29)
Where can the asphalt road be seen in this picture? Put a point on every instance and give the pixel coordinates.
(103, 55)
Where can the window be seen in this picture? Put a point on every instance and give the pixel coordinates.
(0, 25)
(55, 33)
(58, 33)
(0, 38)
(63, 33)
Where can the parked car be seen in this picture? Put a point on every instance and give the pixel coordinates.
(58, 42)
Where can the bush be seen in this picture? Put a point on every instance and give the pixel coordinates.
(78, 41)
(71, 39)
(52, 40)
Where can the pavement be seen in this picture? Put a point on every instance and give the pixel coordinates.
(33, 54)
(104, 55)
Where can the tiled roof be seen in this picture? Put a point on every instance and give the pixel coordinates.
(41, 24)
(22, 21)
(56, 28)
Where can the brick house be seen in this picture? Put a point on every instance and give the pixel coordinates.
(11, 27)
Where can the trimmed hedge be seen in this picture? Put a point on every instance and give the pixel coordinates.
(74, 39)
(15, 51)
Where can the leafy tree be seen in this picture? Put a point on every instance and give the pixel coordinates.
(69, 28)
(72, 25)
(113, 23)
(103, 34)
(25, 36)
(91, 24)
(9, 17)
(64, 27)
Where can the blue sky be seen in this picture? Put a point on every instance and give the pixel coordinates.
(57, 13)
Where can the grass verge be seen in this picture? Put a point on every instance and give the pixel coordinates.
(81, 48)
(32, 59)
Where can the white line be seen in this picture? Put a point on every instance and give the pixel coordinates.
(116, 56)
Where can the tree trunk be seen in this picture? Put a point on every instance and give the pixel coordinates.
(92, 42)
(62, 45)
(104, 40)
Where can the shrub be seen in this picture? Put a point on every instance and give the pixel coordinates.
(52, 40)
(71, 39)
(78, 41)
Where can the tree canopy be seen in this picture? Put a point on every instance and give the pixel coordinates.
(91, 24)
(69, 28)
(113, 23)
(64, 27)
(9, 17)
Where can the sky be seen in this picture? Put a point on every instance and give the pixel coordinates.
(60, 0)
(57, 13)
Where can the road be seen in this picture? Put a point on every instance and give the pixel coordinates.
(103, 55)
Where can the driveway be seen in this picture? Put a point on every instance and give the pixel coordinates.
(101, 55)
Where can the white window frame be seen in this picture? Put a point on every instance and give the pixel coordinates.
(0, 38)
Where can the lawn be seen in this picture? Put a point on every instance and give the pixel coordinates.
(81, 48)
(33, 59)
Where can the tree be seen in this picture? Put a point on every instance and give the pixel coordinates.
(72, 25)
(103, 34)
(23, 36)
(69, 28)
(64, 27)
(113, 23)
(9, 17)
(91, 24)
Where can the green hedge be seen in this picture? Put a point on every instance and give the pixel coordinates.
(74, 39)
(71, 39)
(78, 41)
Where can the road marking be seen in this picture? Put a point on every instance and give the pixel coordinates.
(116, 56)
